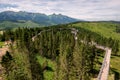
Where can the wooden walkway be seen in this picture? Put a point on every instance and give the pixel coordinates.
(104, 71)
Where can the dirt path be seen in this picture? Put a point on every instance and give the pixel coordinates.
(3, 51)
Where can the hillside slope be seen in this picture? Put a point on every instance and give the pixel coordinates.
(106, 29)
(12, 25)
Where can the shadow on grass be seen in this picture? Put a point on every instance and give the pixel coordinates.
(94, 73)
(117, 74)
(100, 63)
(115, 55)
(49, 68)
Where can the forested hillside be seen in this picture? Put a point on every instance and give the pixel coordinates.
(54, 54)
(106, 29)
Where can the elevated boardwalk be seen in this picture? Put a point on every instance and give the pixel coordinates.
(104, 71)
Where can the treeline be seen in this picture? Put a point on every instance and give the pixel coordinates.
(74, 60)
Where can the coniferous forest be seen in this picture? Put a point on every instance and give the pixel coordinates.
(65, 58)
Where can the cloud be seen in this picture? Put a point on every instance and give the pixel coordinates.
(7, 5)
(82, 9)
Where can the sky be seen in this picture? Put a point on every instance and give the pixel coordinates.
(92, 10)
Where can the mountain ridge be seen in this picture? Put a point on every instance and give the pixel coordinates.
(39, 18)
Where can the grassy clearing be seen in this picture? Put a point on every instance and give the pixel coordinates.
(111, 77)
(1, 44)
(115, 63)
(48, 75)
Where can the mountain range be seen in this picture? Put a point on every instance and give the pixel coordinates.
(38, 18)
